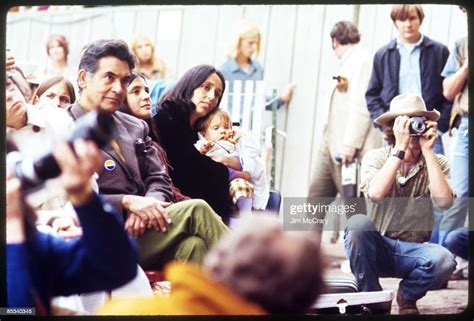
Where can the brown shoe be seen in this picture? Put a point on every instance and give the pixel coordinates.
(406, 307)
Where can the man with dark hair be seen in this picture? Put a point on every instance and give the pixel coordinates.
(411, 63)
(134, 180)
(348, 133)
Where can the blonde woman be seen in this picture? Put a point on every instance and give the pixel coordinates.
(148, 63)
(241, 57)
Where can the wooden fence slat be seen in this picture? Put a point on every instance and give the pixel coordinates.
(236, 97)
(225, 97)
(259, 109)
(248, 99)
(301, 120)
(228, 18)
(167, 39)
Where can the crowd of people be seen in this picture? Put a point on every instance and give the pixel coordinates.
(410, 228)
(176, 188)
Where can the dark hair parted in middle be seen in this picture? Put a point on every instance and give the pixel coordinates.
(183, 90)
(124, 107)
(52, 81)
(345, 32)
(103, 48)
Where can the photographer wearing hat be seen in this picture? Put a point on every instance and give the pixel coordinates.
(401, 183)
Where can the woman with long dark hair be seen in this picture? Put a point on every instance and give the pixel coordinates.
(193, 97)
(137, 103)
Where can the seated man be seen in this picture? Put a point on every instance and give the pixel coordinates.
(256, 269)
(134, 180)
(401, 182)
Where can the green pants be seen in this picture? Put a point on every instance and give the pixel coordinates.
(194, 228)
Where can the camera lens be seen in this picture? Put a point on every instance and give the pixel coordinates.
(417, 125)
(94, 126)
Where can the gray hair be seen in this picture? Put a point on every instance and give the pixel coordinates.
(103, 48)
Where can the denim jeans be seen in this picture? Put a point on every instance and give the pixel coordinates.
(438, 144)
(421, 266)
(455, 216)
(457, 242)
(460, 159)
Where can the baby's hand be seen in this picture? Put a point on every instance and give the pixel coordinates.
(206, 147)
(235, 136)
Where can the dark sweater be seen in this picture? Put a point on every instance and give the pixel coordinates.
(383, 84)
(196, 175)
(102, 259)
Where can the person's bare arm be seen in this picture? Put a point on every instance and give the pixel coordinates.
(229, 161)
(453, 84)
(243, 174)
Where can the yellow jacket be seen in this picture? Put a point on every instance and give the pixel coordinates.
(192, 293)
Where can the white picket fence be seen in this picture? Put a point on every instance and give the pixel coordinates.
(246, 104)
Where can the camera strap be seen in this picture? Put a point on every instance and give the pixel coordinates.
(142, 148)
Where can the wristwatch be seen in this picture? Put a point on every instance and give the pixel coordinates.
(398, 153)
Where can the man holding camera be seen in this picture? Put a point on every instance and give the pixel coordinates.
(401, 183)
(134, 180)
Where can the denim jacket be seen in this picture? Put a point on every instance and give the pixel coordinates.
(383, 84)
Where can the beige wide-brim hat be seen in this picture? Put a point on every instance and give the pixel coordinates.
(408, 105)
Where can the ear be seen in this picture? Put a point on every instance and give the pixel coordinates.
(82, 78)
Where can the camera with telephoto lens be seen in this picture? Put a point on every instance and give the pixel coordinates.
(95, 126)
(417, 125)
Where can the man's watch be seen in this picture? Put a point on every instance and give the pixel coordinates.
(398, 153)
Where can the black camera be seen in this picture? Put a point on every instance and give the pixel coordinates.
(95, 126)
(417, 125)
